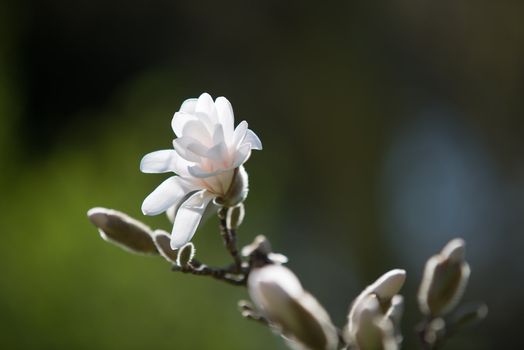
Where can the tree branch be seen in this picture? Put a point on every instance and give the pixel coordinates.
(230, 239)
(222, 274)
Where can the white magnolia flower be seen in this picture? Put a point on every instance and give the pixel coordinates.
(207, 157)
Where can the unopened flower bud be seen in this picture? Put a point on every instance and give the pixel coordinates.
(259, 252)
(388, 285)
(260, 244)
(185, 255)
(122, 230)
(372, 331)
(279, 296)
(235, 216)
(394, 313)
(444, 281)
(162, 241)
(384, 288)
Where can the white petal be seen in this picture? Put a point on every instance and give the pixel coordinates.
(206, 106)
(197, 130)
(167, 194)
(218, 134)
(225, 116)
(164, 161)
(197, 148)
(197, 171)
(241, 156)
(188, 217)
(171, 212)
(181, 165)
(182, 145)
(158, 162)
(189, 105)
(253, 140)
(180, 119)
(218, 152)
(240, 133)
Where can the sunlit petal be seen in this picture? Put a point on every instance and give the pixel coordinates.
(180, 119)
(167, 194)
(253, 140)
(225, 116)
(189, 105)
(239, 134)
(188, 217)
(205, 105)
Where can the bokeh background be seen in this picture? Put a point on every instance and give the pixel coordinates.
(388, 129)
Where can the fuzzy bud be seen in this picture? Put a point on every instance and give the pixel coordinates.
(162, 241)
(259, 244)
(384, 288)
(394, 313)
(122, 230)
(444, 281)
(296, 314)
(259, 252)
(185, 254)
(235, 216)
(373, 331)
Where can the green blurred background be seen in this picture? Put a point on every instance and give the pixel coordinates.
(388, 128)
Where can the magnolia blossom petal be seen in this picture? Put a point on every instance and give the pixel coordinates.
(197, 171)
(253, 140)
(188, 217)
(157, 162)
(240, 133)
(197, 130)
(218, 134)
(217, 152)
(225, 116)
(181, 165)
(206, 105)
(167, 194)
(242, 155)
(189, 105)
(164, 161)
(186, 147)
(180, 119)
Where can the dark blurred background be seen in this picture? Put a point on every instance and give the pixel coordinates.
(388, 129)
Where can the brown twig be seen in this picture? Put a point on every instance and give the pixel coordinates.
(222, 274)
(230, 239)
(236, 273)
